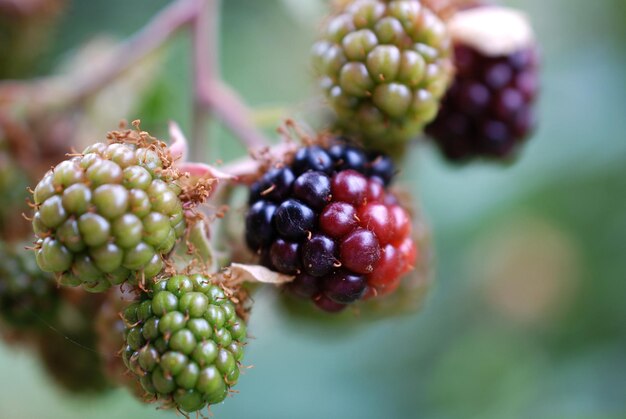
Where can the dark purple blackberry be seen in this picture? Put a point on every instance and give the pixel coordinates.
(293, 220)
(312, 188)
(382, 167)
(348, 157)
(259, 229)
(344, 287)
(285, 256)
(312, 158)
(274, 186)
(319, 255)
(489, 110)
(337, 229)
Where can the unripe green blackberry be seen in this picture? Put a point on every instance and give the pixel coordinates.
(110, 214)
(384, 66)
(29, 298)
(184, 342)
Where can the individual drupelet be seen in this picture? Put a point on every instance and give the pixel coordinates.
(184, 342)
(489, 110)
(383, 66)
(329, 219)
(108, 215)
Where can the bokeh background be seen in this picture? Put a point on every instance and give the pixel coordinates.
(527, 316)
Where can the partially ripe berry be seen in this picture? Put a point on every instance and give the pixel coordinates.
(338, 231)
(489, 110)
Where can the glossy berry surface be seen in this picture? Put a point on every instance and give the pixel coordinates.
(184, 342)
(108, 215)
(337, 230)
(384, 66)
(489, 110)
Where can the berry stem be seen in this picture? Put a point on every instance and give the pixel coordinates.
(205, 35)
(211, 93)
(161, 28)
(248, 169)
(234, 113)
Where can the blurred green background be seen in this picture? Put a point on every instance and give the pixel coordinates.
(527, 317)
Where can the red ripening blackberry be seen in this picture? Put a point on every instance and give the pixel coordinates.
(489, 110)
(329, 220)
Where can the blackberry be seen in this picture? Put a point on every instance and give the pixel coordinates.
(383, 66)
(336, 227)
(489, 110)
(29, 298)
(110, 214)
(184, 342)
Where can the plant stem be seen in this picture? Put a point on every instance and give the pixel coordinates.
(210, 93)
(231, 110)
(131, 51)
(205, 37)
(247, 169)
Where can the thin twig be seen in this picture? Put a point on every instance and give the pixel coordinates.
(231, 110)
(205, 36)
(211, 94)
(131, 51)
(247, 169)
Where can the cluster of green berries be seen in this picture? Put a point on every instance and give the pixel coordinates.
(108, 215)
(184, 342)
(384, 66)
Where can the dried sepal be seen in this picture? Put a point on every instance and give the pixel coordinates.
(238, 273)
(494, 31)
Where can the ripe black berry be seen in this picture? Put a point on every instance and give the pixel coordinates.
(312, 188)
(312, 158)
(489, 110)
(344, 287)
(319, 255)
(294, 220)
(259, 228)
(338, 231)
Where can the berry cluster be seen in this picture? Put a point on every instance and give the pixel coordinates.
(488, 111)
(108, 215)
(184, 342)
(329, 220)
(384, 65)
